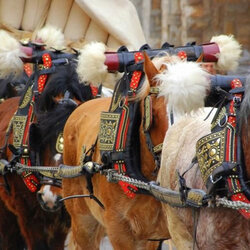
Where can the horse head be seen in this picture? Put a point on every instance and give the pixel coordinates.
(154, 122)
(189, 138)
(60, 97)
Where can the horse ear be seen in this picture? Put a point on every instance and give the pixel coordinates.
(163, 68)
(150, 69)
(200, 59)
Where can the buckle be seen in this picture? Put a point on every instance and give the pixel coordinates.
(214, 181)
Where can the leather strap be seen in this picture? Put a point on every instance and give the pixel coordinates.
(233, 180)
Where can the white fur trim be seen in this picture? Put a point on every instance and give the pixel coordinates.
(230, 52)
(184, 85)
(10, 53)
(91, 67)
(51, 36)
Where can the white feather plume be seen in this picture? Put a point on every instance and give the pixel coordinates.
(91, 67)
(184, 85)
(10, 53)
(230, 52)
(51, 36)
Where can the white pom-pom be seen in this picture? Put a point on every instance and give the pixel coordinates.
(51, 36)
(10, 53)
(91, 67)
(230, 52)
(184, 85)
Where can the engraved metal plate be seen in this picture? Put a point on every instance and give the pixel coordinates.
(147, 113)
(210, 152)
(27, 98)
(18, 129)
(108, 130)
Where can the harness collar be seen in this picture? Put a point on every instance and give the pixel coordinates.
(219, 153)
(118, 136)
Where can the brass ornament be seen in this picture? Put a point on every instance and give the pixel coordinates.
(158, 148)
(59, 143)
(210, 153)
(147, 113)
(27, 98)
(154, 90)
(108, 130)
(19, 123)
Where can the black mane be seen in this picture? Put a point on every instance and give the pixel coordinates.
(64, 79)
(51, 115)
(10, 86)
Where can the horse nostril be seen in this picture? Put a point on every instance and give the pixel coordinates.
(39, 195)
(58, 200)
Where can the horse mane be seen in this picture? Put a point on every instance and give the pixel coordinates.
(245, 105)
(12, 86)
(64, 79)
(51, 114)
(56, 119)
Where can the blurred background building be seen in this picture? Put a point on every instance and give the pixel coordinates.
(182, 21)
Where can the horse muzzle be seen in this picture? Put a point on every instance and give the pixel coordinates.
(49, 205)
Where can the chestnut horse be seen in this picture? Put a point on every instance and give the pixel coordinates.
(24, 222)
(205, 228)
(129, 223)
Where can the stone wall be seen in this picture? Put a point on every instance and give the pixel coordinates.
(182, 21)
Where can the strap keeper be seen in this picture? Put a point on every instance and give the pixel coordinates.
(154, 90)
(158, 148)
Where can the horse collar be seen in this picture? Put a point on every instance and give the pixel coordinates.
(24, 118)
(219, 153)
(118, 136)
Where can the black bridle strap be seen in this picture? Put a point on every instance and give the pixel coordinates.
(148, 119)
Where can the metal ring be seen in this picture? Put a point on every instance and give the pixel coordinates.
(214, 182)
(236, 99)
(222, 125)
(122, 102)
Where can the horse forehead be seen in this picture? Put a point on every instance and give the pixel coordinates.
(46, 188)
(51, 190)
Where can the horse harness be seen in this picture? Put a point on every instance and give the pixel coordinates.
(219, 154)
(23, 120)
(120, 147)
(118, 135)
(24, 117)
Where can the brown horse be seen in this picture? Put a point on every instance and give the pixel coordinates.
(205, 228)
(129, 223)
(25, 223)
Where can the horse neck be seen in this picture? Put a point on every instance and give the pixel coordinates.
(157, 133)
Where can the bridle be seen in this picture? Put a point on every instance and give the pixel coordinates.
(147, 122)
